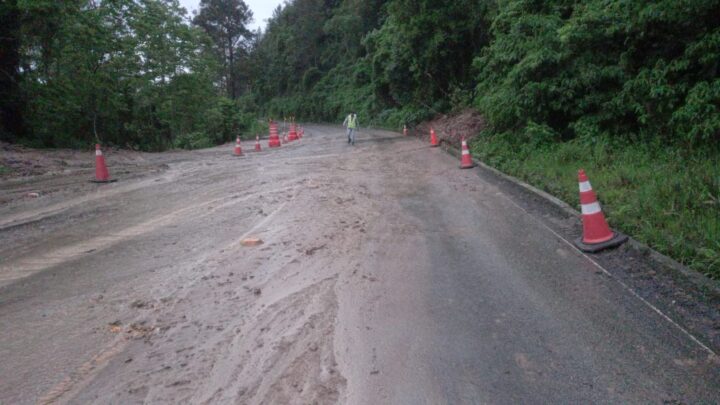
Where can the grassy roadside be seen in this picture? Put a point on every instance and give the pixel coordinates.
(668, 200)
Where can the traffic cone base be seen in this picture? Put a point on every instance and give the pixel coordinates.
(616, 239)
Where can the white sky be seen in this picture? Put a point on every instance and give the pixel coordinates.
(262, 10)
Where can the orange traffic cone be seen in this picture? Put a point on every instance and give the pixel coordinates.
(293, 133)
(466, 161)
(238, 148)
(433, 138)
(596, 232)
(101, 172)
(274, 141)
(258, 148)
(405, 131)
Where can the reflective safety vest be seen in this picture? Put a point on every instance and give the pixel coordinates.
(352, 121)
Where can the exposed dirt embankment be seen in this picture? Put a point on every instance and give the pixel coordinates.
(451, 128)
(19, 161)
(27, 173)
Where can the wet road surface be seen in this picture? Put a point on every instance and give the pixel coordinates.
(387, 275)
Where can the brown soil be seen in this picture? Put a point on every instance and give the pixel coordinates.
(451, 128)
(19, 161)
(27, 173)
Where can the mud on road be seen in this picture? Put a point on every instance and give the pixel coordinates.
(385, 275)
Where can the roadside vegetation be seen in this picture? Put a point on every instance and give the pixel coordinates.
(664, 199)
(137, 74)
(630, 91)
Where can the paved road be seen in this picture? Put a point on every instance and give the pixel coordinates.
(387, 275)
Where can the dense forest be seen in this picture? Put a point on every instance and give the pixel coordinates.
(630, 89)
(133, 73)
(145, 74)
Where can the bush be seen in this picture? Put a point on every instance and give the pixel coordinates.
(194, 140)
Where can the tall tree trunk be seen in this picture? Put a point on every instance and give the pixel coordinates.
(231, 67)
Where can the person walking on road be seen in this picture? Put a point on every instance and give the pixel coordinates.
(351, 123)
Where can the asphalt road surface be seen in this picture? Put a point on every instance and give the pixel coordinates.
(386, 276)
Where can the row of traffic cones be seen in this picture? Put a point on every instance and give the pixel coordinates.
(275, 141)
(597, 234)
(102, 175)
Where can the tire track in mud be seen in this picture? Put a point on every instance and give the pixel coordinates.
(280, 296)
(179, 171)
(29, 265)
(276, 353)
(265, 338)
(68, 389)
(26, 216)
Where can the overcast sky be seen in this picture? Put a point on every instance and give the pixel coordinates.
(262, 10)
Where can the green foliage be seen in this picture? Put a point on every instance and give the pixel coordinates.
(132, 73)
(627, 69)
(393, 62)
(222, 122)
(12, 103)
(225, 22)
(193, 140)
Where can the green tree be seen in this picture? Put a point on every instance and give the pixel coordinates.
(129, 72)
(225, 21)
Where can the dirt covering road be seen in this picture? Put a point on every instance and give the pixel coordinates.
(386, 275)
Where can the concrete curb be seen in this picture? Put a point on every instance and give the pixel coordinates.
(693, 276)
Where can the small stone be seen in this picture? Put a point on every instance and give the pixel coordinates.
(249, 242)
(115, 327)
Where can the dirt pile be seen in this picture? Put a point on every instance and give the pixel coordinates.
(19, 161)
(27, 173)
(450, 128)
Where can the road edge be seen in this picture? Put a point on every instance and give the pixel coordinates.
(695, 277)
